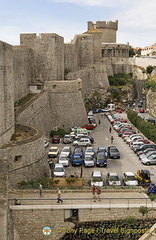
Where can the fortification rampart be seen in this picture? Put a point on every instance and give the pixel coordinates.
(37, 218)
(65, 96)
(48, 55)
(26, 158)
(7, 121)
(36, 113)
(144, 62)
(22, 71)
(54, 103)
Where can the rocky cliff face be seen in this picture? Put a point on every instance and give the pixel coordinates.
(139, 72)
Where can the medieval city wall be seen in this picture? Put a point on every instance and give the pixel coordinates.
(65, 97)
(22, 72)
(37, 113)
(27, 158)
(144, 62)
(51, 107)
(7, 121)
(36, 218)
(48, 55)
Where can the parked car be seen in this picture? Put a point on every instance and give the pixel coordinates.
(89, 137)
(89, 151)
(148, 154)
(103, 150)
(97, 179)
(88, 126)
(89, 161)
(66, 151)
(67, 139)
(141, 110)
(129, 179)
(76, 159)
(53, 152)
(85, 142)
(145, 146)
(113, 152)
(101, 160)
(149, 160)
(64, 160)
(59, 170)
(46, 143)
(78, 150)
(55, 139)
(112, 178)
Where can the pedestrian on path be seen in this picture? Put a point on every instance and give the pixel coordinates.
(40, 190)
(94, 191)
(110, 129)
(99, 121)
(112, 139)
(59, 196)
(98, 192)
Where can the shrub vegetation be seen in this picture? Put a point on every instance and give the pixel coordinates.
(147, 128)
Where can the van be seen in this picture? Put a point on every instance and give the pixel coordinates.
(111, 106)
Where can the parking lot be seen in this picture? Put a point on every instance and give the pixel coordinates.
(102, 138)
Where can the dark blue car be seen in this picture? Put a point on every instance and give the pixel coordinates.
(76, 159)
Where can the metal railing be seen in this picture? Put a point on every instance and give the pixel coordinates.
(86, 202)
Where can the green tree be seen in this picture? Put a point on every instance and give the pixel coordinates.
(131, 51)
(149, 69)
(143, 210)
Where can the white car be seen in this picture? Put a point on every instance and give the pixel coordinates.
(64, 160)
(133, 137)
(89, 161)
(129, 179)
(84, 142)
(46, 143)
(90, 151)
(66, 151)
(97, 179)
(59, 170)
(112, 179)
(53, 152)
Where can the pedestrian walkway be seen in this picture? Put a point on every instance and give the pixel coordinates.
(72, 199)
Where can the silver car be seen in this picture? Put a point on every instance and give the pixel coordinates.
(149, 160)
(112, 179)
(89, 161)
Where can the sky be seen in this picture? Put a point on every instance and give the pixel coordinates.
(137, 19)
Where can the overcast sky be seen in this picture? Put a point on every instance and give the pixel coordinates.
(137, 19)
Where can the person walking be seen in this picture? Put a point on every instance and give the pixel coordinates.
(41, 190)
(110, 129)
(99, 121)
(94, 191)
(59, 196)
(98, 192)
(112, 139)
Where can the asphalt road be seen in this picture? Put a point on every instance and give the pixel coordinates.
(127, 162)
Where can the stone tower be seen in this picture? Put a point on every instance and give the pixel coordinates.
(48, 56)
(7, 121)
(108, 30)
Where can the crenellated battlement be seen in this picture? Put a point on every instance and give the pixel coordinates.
(103, 25)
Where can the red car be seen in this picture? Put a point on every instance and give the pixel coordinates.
(141, 110)
(88, 126)
(55, 139)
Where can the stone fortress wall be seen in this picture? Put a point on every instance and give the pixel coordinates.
(41, 60)
(36, 219)
(26, 158)
(7, 121)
